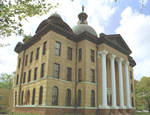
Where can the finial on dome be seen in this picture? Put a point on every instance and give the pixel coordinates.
(83, 8)
(82, 16)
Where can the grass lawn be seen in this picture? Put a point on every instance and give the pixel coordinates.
(141, 113)
(63, 114)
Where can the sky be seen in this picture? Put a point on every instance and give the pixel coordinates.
(105, 16)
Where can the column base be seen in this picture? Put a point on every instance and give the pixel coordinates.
(129, 107)
(104, 107)
(122, 107)
(114, 107)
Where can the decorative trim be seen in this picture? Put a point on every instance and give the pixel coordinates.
(64, 107)
(60, 80)
(86, 107)
(88, 82)
(46, 77)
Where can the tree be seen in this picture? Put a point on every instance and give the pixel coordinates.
(6, 81)
(142, 91)
(12, 12)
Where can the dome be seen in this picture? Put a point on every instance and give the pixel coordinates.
(84, 27)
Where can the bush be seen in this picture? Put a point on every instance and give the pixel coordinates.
(2, 112)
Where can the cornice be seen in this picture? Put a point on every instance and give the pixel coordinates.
(131, 61)
(76, 38)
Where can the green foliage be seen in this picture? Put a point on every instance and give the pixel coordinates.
(142, 93)
(6, 81)
(26, 38)
(12, 12)
(2, 111)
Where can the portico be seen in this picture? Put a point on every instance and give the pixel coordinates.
(122, 64)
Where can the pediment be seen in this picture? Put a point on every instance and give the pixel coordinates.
(118, 40)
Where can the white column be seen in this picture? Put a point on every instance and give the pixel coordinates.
(119, 60)
(103, 54)
(113, 81)
(126, 63)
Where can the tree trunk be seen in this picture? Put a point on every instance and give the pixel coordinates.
(148, 105)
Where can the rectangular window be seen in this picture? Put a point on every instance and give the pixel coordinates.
(69, 72)
(35, 73)
(24, 77)
(92, 76)
(31, 57)
(17, 79)
(131, 88)
(44, 48)
(19, 62)
(42, 70)
(26, 60)
(69, 54)
(79, 75)
(57, 48)
(80, 54)
(56, 70)
(92, 55)
(37, 53)
(130, 74)
(29, 75)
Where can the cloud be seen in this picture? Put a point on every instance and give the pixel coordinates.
(134, 28)
(144, 2)
(8, 58)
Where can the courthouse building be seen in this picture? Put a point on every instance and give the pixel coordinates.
(73, 70)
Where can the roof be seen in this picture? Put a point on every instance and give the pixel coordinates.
(83, 27)
(78, 33)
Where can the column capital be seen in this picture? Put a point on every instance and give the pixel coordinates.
(126, 63)
(119, 59)
(103, 52)
(112, 56)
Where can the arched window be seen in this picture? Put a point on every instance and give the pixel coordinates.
(132, 102)
(40, 95)
(55, 96)
(79, 97)
(92, 98)
(15, 98)
(22, 98)
(28, 96)
(68, 97)
(33, 97)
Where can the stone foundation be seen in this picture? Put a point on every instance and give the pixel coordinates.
(130, 111)
(114, 111)
(122, 111)
(49, 110)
